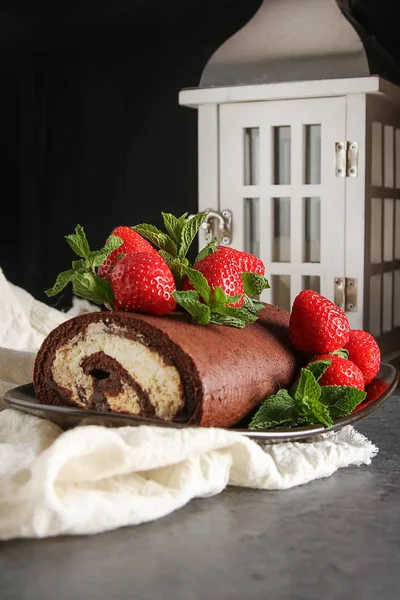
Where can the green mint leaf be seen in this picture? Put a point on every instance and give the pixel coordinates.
(313, 411)
(62, 280)
(167, 257)
(254, 284)
(222, 299)
(178, 268)
(275, 411)
(189, 232)
(307, 386)
(91, 287)
(200, 284)
(319, 367)
(77, 265)
(252, 305)
(183, 217)
(207, 250)
(173, 226)
(219, 297)
(78, 242)
(307, 398)
(236, 313)
(157, 237)
(97, 257)
(190, 301)
(219, 319)
(341, 400)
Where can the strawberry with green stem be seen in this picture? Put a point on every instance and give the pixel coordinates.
(202, 303)
(132, 243)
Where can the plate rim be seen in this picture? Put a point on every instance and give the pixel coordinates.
(291, 434)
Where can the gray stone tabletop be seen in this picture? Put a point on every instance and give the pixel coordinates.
(332, 539)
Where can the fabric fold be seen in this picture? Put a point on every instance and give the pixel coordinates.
(93, 479)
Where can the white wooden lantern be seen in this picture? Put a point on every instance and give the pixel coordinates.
(300, 144)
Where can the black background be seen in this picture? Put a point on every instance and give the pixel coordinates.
(90, 121)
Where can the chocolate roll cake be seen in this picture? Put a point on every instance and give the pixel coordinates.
(165, 367)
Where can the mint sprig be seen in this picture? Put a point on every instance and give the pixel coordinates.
(181, 232)
(215, 301)
(85, 281)
(307, 403)
(175, 243)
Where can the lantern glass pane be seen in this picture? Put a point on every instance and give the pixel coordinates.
(387, 302)
(375, 305)
(251, 156)
(280, 285)
(388, 232)
(312, 282)
(252, 225)
(312, 230)
(376, 230)
(281, 229)
(388, 156)
(281, 153)
(398, 159)
(396, 315)
(397, 232)
(376, 149)
(313, 154)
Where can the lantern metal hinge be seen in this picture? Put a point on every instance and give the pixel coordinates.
(346, 159)
(346, 293)
(219, 225)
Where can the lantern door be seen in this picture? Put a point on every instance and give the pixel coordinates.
(279, 177)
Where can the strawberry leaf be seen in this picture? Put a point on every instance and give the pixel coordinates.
(189, 232)
(207, 250)
(254, 284)
(341, 400)
(190, 301)
(63, 279)
(343, 353)
(78, 242)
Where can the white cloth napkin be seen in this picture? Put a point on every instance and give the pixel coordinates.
(92, 479)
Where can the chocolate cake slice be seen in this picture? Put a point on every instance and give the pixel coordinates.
(165, 367)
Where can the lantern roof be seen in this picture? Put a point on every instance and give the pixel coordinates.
(299, 40)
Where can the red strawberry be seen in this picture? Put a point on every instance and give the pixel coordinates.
(317, 325)
(341, 372)
(143, 282)
(220, 270)
(133, 242)
(374, 390)
(364, 352)
(246, 263)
